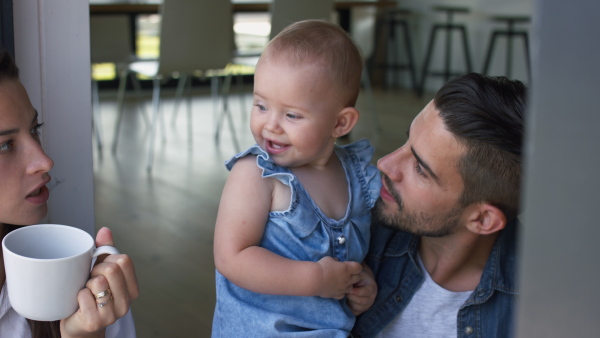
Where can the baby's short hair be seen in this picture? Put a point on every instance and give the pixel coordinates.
(324, 44)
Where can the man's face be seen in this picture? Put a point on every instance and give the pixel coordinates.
(421, 183)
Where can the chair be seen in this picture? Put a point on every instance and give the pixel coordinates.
(362, 31)
(285, 12)
(196, 37)
(110, 42)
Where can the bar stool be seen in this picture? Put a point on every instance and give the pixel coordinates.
(510, 33)
(390, 21)
(448, 27)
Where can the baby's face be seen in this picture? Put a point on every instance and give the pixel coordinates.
(294, 113)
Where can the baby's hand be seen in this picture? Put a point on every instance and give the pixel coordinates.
(337, 277)
(362, 296)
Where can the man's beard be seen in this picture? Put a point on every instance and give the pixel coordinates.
(417, 223)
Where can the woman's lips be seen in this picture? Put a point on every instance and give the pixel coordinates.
(39, 196)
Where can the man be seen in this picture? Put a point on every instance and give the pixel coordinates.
(444, 228)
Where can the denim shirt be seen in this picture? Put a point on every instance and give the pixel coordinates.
(488, 312)
(303, 232)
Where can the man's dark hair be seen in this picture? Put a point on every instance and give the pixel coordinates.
(486, 115)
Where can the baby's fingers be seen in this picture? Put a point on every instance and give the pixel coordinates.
(353, 280)
(353, 267)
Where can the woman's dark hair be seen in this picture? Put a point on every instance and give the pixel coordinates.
(8, 68)
(9, 71)
(486, 114)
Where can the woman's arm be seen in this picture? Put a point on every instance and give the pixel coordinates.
(243, 212)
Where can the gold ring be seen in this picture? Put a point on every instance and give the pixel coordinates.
(103, 294)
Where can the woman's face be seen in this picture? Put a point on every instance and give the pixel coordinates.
(23, 164)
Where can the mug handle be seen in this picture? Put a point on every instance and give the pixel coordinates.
(105, 250)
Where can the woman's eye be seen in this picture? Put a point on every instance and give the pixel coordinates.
(36, 129)
(6, 146)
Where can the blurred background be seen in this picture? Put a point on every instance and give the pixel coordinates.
(166, 87)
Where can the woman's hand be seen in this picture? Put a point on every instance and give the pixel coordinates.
(363, 294)
(99, 308)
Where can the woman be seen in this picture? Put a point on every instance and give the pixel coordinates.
(23, 194)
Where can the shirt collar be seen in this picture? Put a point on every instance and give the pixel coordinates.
(501, 267)
(499, 273)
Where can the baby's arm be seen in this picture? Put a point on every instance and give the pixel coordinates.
(243, 212)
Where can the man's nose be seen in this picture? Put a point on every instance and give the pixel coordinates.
(391, 165)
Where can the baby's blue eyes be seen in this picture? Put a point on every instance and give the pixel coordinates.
(290, 116)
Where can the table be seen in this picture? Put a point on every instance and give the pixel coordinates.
(152, 6)
(136, 7)
(133, 8)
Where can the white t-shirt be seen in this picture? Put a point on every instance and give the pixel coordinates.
(15, 326)
(432, 312)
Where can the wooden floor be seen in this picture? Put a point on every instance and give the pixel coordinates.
(164, 219)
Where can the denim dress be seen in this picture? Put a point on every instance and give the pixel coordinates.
(303, 232)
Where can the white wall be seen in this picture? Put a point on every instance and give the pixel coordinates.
(559, 243)
(52, 52)
(479, 28)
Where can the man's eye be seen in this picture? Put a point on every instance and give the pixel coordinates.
(420, 170)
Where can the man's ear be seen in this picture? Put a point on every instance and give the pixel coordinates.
(486, 219)
(346, 120)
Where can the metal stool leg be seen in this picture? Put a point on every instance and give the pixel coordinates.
(490, 51)
(120, 103)
(409, 55)
(155, 118)
(96, 116)
(181, 84)
(466, 49)
(527, 58)
(425, 68)
(188, 98)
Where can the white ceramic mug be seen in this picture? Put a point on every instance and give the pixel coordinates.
(46, 265)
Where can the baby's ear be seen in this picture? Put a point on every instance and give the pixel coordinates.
(346, 120)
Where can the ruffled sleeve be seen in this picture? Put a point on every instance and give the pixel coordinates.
(362, 151)
(263, 161)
